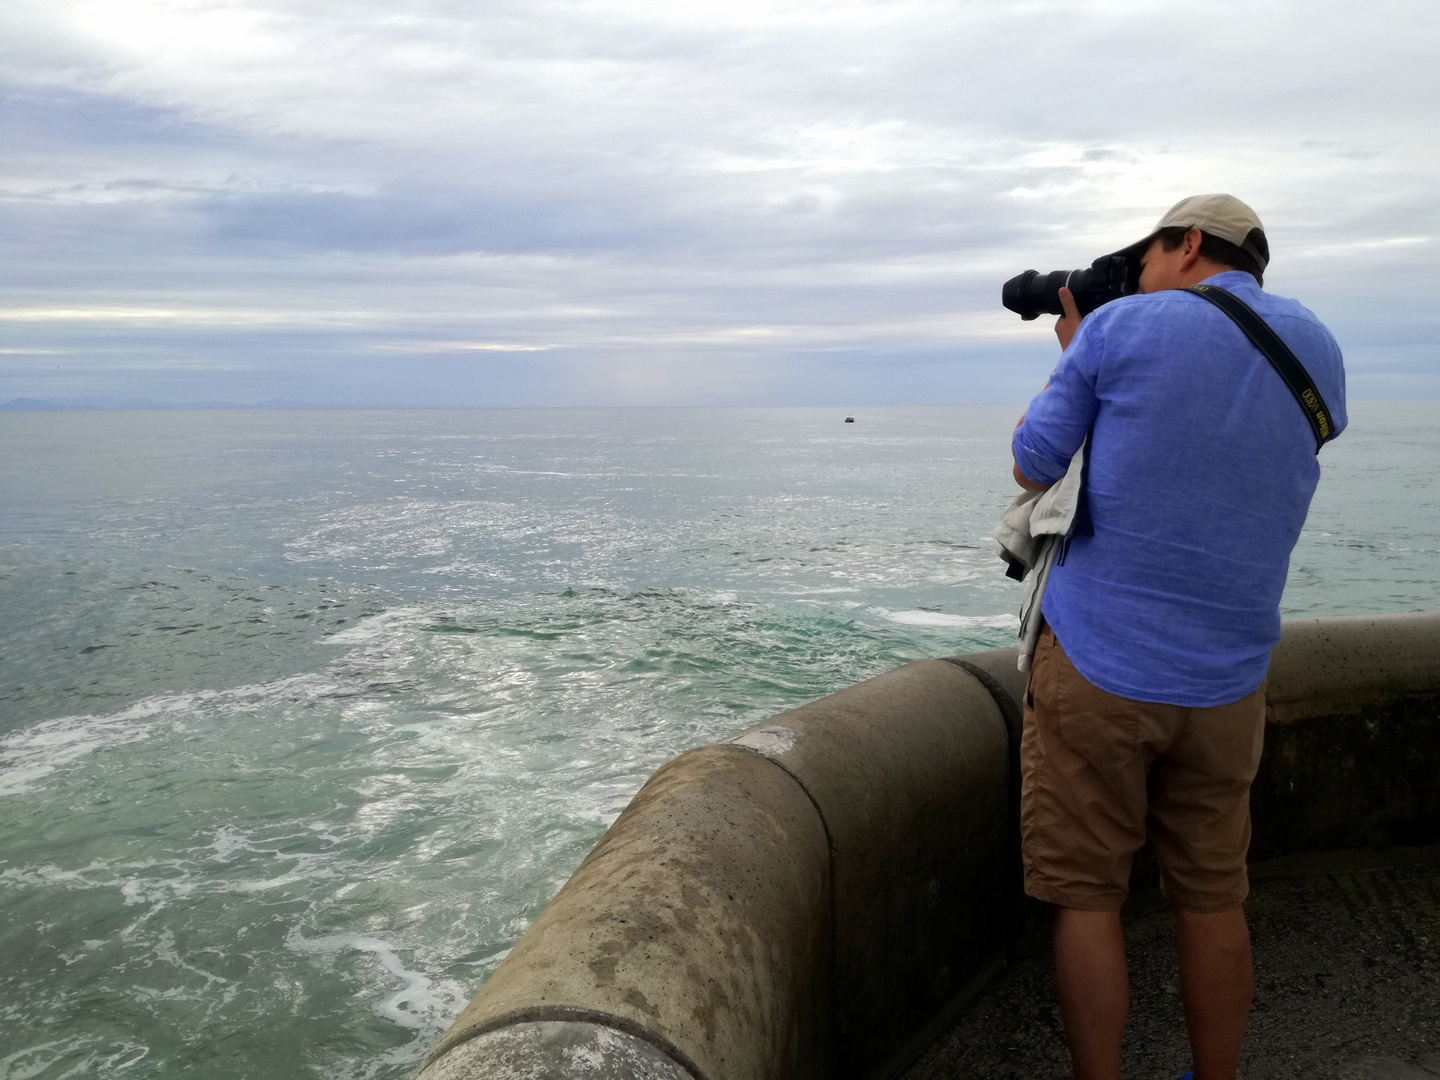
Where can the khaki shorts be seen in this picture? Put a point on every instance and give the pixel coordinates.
(1100, 771)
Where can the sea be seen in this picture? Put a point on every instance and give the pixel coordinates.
(305, 715)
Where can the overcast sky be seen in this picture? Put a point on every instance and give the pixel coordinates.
(531, 202)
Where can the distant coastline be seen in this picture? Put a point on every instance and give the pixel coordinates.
(26, 404)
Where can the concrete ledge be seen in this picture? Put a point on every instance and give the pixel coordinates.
(1340, 666)
(996, 670)
(1332, 666)
(700, 922)
(556, 1050)
(1352, 743)
(909, 773)
(1364, 776)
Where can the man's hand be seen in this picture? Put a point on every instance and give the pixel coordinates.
(1025, 482)
(1067, 324)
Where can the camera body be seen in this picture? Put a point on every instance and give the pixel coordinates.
(1109, 277)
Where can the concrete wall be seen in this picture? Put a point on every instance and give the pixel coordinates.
(1352, 743)
(1352, 754)
(700, 924)
(817, 896)
(909, 772)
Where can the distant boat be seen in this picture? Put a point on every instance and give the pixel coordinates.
(849, 419)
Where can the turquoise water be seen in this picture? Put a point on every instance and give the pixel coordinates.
(305, 715)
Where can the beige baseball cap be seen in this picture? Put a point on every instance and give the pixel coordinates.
(1219, 215)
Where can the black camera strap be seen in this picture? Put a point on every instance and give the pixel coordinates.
(1281, 358)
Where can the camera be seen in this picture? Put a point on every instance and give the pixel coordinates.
(1033, 294)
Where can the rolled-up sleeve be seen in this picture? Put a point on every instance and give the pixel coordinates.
(1058, 418)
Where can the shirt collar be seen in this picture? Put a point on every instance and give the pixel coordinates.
(1231, 279)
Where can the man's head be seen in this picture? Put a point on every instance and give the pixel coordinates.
(1202, 233)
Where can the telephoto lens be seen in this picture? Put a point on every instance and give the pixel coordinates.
(1033, 294)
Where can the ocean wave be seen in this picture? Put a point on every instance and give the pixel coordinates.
(923, 617)
(419, 1002)
(29, 755)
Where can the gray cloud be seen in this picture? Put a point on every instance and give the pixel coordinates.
(747, 202)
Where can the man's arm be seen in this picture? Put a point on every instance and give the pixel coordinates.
(1065, 328)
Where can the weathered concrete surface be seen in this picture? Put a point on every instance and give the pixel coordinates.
(909, 771)
(996, 669)
(1363, 778)
(1345, 664)
(1329, 666)
(1387, 1068)
(1347, 968)
(1352, 743)
(556, 1050)
(700, 922)
(1352, 747)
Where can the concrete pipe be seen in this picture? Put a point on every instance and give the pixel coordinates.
(693, 938)
(909, 773)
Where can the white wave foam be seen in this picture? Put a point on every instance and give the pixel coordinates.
(308, 868)
(305, 866)
(940, 618)
(33, 753)
(48, 875)
(227, 843)
(29, 755)
(419, 1003)
(383, 625)
(156, 883)
(97, 1057)
(154, 893)
(26, 757)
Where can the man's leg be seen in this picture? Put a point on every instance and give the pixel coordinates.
(1094, 989)
(1217, 984)
(1200, 823)
(1083, 764)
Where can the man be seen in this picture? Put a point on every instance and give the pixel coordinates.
(1145, 709)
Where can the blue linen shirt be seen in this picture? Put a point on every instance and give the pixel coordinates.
(1200, 474)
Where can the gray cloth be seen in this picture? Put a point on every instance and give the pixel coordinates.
(1030, 533)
